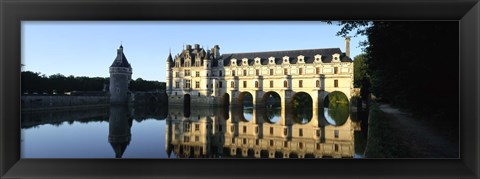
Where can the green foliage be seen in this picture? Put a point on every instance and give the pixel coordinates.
(338, 107)
(144, 85)
(359, 69)
(302, 107)
(34, 82)
(413, 65)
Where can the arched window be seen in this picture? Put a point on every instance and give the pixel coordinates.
(232, 84)
(285, 84)
(256, 84)
(317, 83)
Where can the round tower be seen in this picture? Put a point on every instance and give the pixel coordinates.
(120, 76)
(169, 74)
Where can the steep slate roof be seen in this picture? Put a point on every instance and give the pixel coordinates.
(192, 53)
(292, 54)
(120, 60)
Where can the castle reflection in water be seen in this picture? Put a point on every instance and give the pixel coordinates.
(256, 133)
(174, 132)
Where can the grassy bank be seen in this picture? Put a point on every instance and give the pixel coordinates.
(382, 140)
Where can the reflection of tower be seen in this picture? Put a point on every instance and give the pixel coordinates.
(120, 76)
(168, 143)
(120, 123)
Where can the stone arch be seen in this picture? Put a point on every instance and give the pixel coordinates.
(267, 99)
(302, 107)
(336, 108)
(245, 95)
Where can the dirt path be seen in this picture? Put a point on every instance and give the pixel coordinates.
(421, 140)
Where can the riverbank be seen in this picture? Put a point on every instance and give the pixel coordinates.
(396, 134)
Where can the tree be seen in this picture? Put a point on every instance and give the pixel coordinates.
(413, 65)
(360, 69)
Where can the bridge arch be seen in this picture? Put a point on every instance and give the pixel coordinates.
(302, 107)
(336, 108)
(245, 98)
(271, 99)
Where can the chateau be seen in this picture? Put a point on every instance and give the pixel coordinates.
(205, 77)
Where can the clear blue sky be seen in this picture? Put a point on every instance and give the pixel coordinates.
(88, 48)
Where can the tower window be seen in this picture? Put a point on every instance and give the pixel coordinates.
(244, 72)
(317, 83)
(271, 130)
(220, 73)
(317, 70)
(336, 133)
(271, 83)
(244, 84)
(244, 129)
(300, 71)
(271, 71)
(285, 84)
(232, 84)
(285, 71)
(300, 132)
(257, 72)
(335, 70)
(256, 84)
(335, 83)
(233, 72)
(300, 83)
(220, 84)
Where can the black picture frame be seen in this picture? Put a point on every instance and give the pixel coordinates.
(12, 12)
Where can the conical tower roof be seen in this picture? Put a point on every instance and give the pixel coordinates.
(120, 60)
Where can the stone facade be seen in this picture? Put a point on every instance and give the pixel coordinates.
(120, 76)
(206, 77)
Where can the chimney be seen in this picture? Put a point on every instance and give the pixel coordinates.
(347, 46)
(197, 46)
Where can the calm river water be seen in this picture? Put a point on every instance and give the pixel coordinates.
(175, 132)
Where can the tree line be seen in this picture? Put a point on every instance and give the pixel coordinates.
(413, 65)
(35, 82)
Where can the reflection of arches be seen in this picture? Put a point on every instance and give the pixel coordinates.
(225, 100)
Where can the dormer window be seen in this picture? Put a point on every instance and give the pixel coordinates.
(245, 61)
(301, 59)
(257, 61)
(336, 57)
(285, 59)
(318, 58)
(234, 61)
(271, 60)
